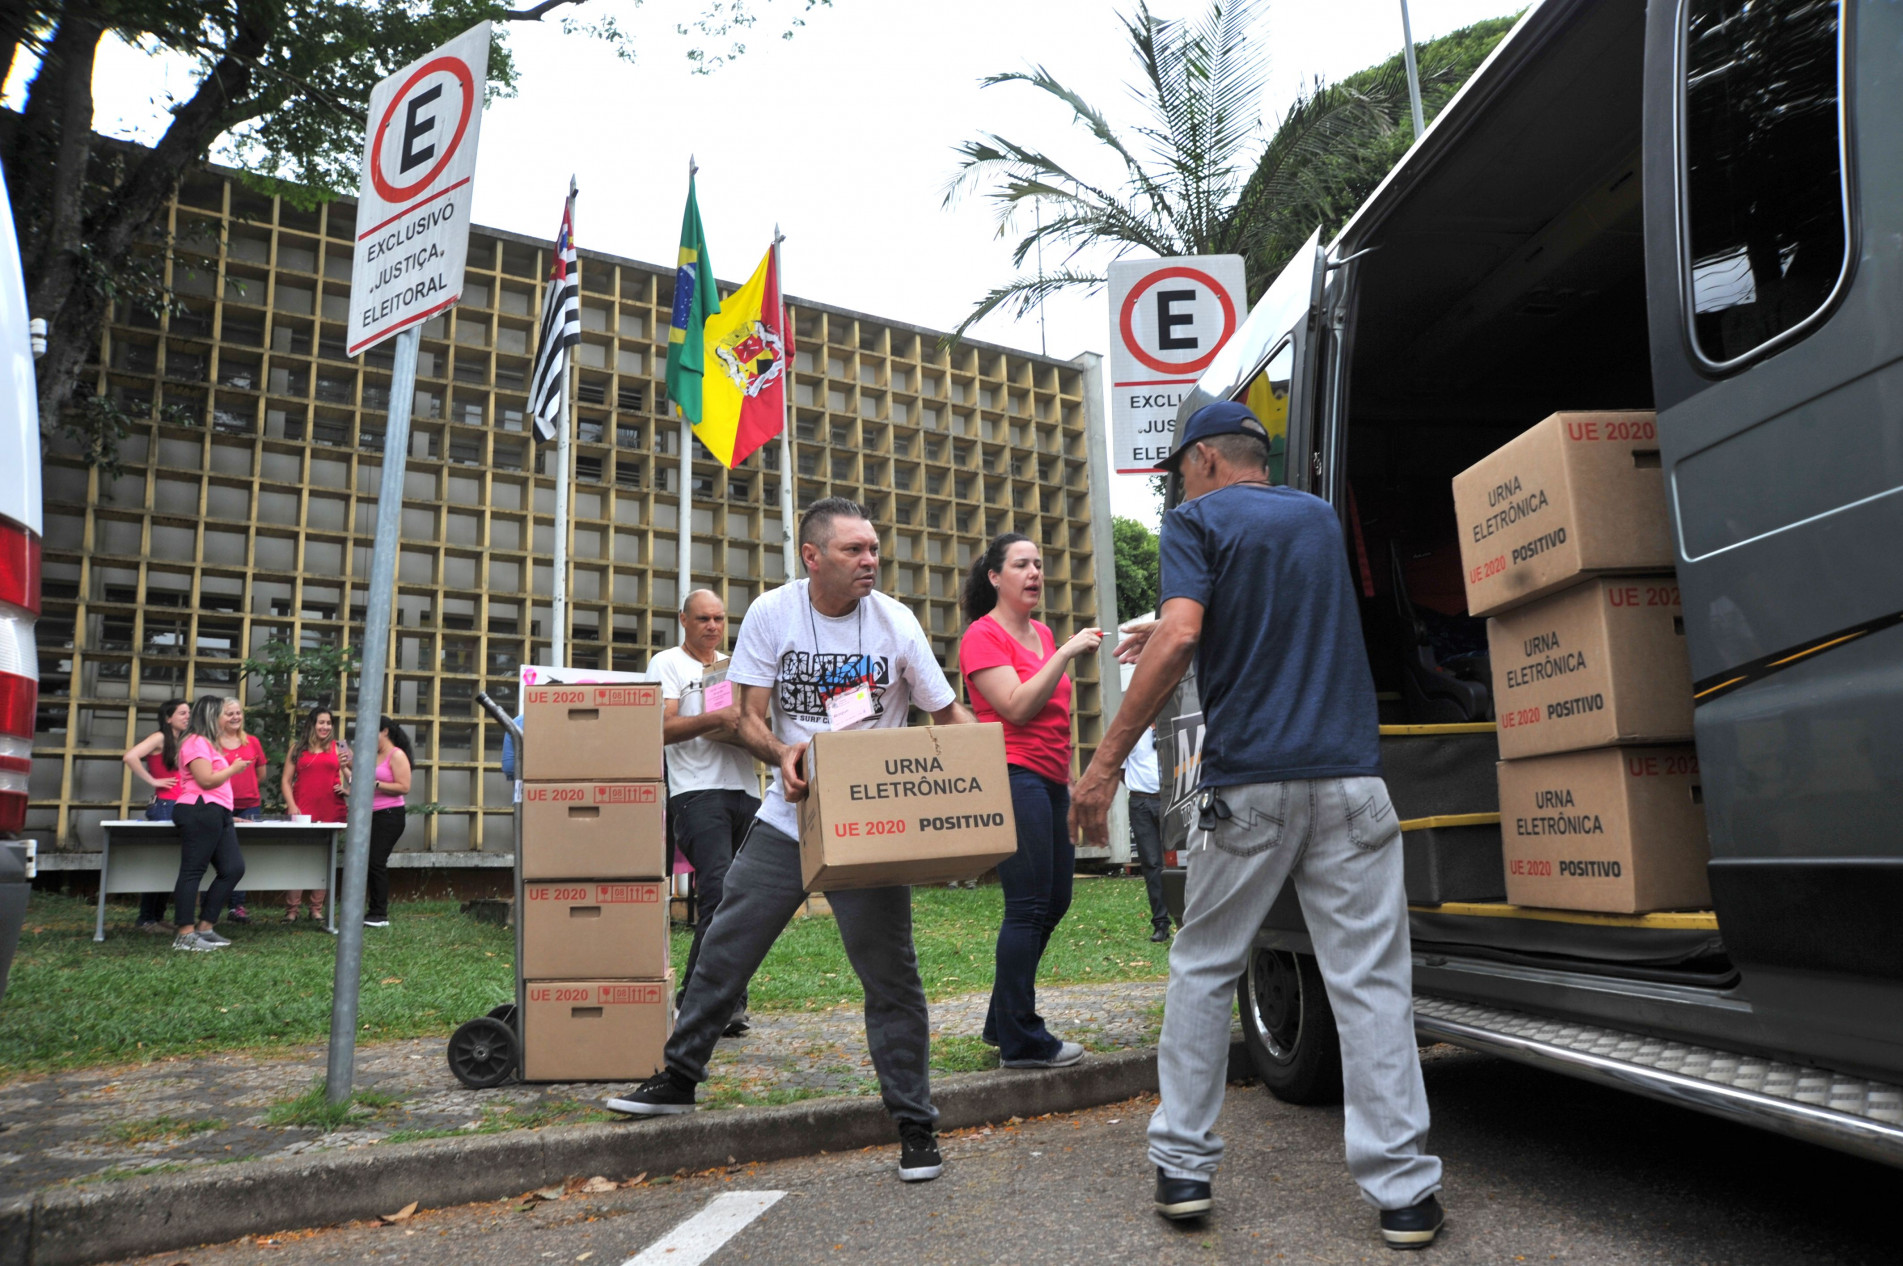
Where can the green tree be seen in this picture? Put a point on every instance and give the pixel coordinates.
(1198, 176)
(282, 84)
(1339, 181)
(289, 680)
(1137, 567)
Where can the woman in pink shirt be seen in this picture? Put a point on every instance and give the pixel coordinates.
(207, 836)
(387, 818)
(1015, 671)
(154, 761)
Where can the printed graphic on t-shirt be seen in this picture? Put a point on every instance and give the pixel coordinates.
(806, 680)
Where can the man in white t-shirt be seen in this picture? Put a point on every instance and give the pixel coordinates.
(710, 780)
(814, 655)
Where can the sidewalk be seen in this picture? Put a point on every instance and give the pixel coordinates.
(99, 1124)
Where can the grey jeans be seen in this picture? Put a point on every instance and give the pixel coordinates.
(1338, 839)
(762, 892)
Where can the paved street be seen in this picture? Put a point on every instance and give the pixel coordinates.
(1540, 1168)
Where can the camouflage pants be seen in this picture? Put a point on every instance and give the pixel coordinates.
(762, 892)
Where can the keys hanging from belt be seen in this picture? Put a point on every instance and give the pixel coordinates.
(1211, 809)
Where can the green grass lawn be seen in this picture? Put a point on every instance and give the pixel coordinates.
(72, 1003)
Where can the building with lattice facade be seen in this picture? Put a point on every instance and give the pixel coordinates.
(246, 505)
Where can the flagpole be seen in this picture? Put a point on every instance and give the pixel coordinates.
(558, 641)
(685, 528)
(786, 418)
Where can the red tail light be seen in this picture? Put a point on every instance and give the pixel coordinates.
(19, 567)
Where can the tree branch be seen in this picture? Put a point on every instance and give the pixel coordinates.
(535, 14)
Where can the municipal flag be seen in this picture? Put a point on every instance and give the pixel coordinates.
(561, 330)
(743, 396)
(696, 297)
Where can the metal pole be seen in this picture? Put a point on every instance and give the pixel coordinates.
(684, 530)
(1103, 546)
(340, 1069)
(686, 525)
(558, 641)
(1413, 71)
(787, 546)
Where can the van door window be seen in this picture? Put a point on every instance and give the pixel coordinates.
(1267, 398)
(1764, 201)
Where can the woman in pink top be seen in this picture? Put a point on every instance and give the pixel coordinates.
(1015, 671)
(207, 836)
(154, 761)
(394, 755)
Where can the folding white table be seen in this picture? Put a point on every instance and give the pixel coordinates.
(142, 856)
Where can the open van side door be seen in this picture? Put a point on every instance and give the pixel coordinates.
(1270, 365)
(1774, 273)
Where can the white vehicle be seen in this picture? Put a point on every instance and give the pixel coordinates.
(19, 583)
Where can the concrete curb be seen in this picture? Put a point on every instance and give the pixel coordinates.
(76, 1226)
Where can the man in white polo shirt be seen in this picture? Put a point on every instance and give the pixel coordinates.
(710, 781)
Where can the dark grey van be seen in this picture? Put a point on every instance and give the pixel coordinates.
(1695, 207)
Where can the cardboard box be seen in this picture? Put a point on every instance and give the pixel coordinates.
(581, 929)
(1577, 494)
(1618, 829)
(596, 1030)
(920, 805)
(604, 830)
(591, 731)
(1600, 663)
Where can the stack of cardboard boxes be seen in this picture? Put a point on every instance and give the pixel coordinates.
(598, 993)
(1566, 546)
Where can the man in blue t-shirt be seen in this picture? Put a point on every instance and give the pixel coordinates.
(1255, 588)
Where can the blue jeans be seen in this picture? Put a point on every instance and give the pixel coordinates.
(1036, 882)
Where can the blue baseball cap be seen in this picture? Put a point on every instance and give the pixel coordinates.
(1224, 417)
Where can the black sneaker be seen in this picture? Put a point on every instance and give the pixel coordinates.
(1161, 934)
(1412, 1227)
(663, 1094)
(1181, 1198)
(919, 1160)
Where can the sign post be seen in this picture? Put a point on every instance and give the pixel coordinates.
(419, 159)
(1168, 319)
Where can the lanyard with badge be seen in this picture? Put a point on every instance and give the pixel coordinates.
(848, 702)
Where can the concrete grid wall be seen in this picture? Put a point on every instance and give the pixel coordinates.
(247, 506)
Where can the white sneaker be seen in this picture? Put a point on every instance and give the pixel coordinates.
(1068, 1053)
(214, 940)
(376, 923)
(192, 941)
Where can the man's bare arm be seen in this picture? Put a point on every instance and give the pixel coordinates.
(954, 713)
(755, 730)
(721, 724)
(1166, 657)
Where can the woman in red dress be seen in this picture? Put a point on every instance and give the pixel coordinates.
(313, 784)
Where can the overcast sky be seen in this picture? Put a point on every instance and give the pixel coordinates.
(843, 135)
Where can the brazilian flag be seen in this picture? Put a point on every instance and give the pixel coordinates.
(696, 297)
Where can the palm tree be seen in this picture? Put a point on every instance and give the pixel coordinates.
(1198, 176)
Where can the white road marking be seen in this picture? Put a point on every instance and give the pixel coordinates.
(700, 1237)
